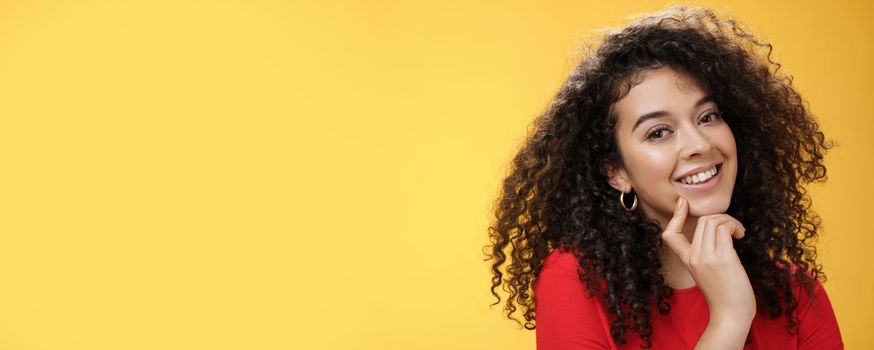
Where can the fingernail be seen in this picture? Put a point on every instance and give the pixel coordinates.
(681, 202)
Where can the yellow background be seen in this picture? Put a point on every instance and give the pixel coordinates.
(319, 175)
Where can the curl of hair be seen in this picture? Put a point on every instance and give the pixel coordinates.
(556, 196)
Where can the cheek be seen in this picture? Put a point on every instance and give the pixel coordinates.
(654, 161)
(725, 139)
(651, 169)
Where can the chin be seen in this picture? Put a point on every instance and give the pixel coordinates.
(699, 208)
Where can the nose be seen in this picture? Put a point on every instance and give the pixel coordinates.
(695, 143)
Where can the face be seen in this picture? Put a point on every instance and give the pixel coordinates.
(673, 142)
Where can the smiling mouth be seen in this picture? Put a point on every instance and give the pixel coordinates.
(701, 178)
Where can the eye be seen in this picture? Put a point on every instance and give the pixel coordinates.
(657, 133)
(710, 117)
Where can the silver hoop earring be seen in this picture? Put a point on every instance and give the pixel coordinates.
(622, 201)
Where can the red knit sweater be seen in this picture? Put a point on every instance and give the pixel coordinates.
(568, 320)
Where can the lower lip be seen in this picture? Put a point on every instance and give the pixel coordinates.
(704, 186)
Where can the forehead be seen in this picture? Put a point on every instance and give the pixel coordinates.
(660, 89)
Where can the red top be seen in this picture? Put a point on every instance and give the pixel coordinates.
(568, 320)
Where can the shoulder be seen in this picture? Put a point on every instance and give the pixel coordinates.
(561, 268)
(818, 326)
(559, 273)
(798, 288)
(566, 316)
(561, 261)
(802, 291)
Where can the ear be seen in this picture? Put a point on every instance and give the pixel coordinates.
(616, 176)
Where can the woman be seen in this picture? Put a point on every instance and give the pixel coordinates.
(659, 202)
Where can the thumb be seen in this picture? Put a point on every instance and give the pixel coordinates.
(673, 234)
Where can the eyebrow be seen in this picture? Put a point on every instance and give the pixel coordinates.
(659, 114)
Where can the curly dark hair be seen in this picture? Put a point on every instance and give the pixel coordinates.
(556, 196)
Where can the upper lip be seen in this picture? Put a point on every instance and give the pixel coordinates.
(696, 170)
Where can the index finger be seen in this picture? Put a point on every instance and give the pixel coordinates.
(673, 234)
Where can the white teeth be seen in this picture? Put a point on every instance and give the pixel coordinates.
(699, 177)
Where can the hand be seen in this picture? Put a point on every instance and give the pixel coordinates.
(714, 264)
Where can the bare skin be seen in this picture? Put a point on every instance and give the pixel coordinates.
(668, 128)
(712, 262)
